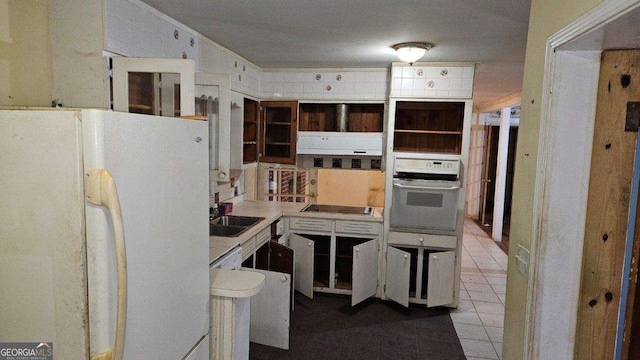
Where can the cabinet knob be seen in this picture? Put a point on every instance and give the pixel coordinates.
(284, 279)
(421, 239)
(310, 243)
(435, 257)
(357, 250)
(406, 256)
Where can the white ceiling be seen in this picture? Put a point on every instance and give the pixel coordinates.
(357, 34)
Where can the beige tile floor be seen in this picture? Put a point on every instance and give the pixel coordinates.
(479, 318)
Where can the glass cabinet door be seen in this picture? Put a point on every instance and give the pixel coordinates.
(162, 87)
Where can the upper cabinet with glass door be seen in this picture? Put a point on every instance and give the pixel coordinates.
(163, 87)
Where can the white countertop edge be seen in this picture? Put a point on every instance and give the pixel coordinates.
(235, 283)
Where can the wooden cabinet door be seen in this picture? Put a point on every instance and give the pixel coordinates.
(304, 250)
(441, 282)
(270, 315)
(365, 271)
(278, 131)
(398, 275)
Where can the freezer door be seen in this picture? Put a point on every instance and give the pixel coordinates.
(43, 291)
(160, 167)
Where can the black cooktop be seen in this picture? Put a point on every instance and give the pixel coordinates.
(355, 210)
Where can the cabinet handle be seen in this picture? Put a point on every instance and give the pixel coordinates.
(310, 243)
(284, 279)
(406, 256)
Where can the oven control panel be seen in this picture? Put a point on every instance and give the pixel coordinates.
(427, 166)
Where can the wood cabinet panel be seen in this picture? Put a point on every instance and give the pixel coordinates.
(278, 123)
(322, 117)
(428, 127)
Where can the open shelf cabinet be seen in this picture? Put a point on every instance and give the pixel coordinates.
(434, 127)
(322, 117)
(278, 122)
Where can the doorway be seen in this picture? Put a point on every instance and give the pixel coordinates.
(488, 182)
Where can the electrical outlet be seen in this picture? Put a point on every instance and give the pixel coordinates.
(522, 260)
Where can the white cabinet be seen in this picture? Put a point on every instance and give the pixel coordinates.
(149, 86)
(208, 86)
(304, 250)
(422, 275)
(336, 256)
(270, 308)
(270, 311)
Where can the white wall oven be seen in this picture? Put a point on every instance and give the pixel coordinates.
(425, 194)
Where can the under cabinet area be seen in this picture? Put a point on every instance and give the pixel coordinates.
(421, 268)
(271, 307)
(336, 256)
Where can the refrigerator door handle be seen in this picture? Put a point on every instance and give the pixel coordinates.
(100, 189)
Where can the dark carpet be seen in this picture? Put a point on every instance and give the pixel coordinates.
(328, 327)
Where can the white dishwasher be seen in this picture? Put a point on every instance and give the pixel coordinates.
(231, 261)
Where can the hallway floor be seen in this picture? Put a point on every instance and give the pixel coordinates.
(479, 318)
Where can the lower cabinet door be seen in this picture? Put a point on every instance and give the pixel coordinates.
(270, 315)
(365, 271)
(441, 282)
(304, 250)
(398, 275)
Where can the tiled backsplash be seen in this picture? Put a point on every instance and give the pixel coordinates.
(223, 191)
(136, 29)
(311, 84)
(432, 81)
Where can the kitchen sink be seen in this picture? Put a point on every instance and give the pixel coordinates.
(231, 225)
(236, 220)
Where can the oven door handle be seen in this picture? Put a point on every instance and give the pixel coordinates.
(400, 186)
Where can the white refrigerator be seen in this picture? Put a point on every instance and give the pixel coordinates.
(58, 267)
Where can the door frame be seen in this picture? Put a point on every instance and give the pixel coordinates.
(550, 331)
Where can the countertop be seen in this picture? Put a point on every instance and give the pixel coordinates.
(235, 284)
(269, 210)
(375, 217)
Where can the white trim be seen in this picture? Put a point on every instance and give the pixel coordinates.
(598, 17)
(501, 174)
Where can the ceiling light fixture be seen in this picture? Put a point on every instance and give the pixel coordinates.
(411, 51)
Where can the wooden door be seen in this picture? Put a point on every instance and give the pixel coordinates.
(607, 207)
(278, 130)
(441, 282)
(489, 175)
(398, 275)
(303, 278)
(270, 311)
(364, 282)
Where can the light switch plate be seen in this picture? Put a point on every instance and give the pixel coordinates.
(522, 260)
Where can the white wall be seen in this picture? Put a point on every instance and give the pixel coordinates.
(136, 29)
(323, 84)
